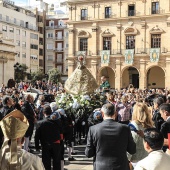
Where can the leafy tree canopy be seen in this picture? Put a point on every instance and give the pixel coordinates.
(38, 75)
(54, 75)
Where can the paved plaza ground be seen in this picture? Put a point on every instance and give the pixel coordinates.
(81, 163)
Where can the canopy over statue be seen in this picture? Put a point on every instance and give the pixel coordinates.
(81, 81)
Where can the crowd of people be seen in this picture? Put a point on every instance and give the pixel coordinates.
(120, 131)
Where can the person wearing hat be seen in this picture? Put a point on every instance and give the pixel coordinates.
(12, 157)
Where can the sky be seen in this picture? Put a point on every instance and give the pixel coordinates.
(27, 2)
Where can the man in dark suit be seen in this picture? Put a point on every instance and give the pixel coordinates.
(109, 141)
(165, 127)
(28, 110)
(48, 133)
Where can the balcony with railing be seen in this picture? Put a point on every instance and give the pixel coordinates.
(83, 18)
(142, 51)
(40, 24)
(58, 49)
(131, 13)
(157, 11)
(111, 15)
(56, 27)
(86, 53)
(18, 23)
(113, 52)
(147, 50)
(59, 61)
(58, 38)
(50, 49)
(50, 37)
(137, 51)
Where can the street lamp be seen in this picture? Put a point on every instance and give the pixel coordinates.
(18, 68)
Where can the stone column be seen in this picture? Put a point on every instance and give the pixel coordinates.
(71, 66)
(119, 38)
(167, 73)
(142, 74)
(94, 43)
(118, 75)
(94, 68)
(71, 51)
(71, 42)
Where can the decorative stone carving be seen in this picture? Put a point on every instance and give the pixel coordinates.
(143, 24)
(107, 33)
(120, 3)
(83, 33)
(130, 23)
(131, 31)
(72, 8)
(94, 29)
(71, 30)
(96, 6)
(119, 26)
(156, 30)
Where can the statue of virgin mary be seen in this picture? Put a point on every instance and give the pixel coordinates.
(81, 80)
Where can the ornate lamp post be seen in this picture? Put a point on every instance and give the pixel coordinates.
(18, 68)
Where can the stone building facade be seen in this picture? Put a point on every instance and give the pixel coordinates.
(19, 26)
(125, 40)
(7, 59)
(56, 44)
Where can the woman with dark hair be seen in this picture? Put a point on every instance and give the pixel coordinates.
(110, 98)
(157, 159)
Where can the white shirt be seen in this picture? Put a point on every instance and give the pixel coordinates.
(156, 160)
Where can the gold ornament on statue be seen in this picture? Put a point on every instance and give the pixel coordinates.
(81, 80)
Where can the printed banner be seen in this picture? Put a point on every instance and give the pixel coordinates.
(105, 56)
(129, 56)
(154, 54)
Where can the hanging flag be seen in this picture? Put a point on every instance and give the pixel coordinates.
(129, 56)
(154, 54)
(105, 56)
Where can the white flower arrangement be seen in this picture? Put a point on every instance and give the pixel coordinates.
(75, 102)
